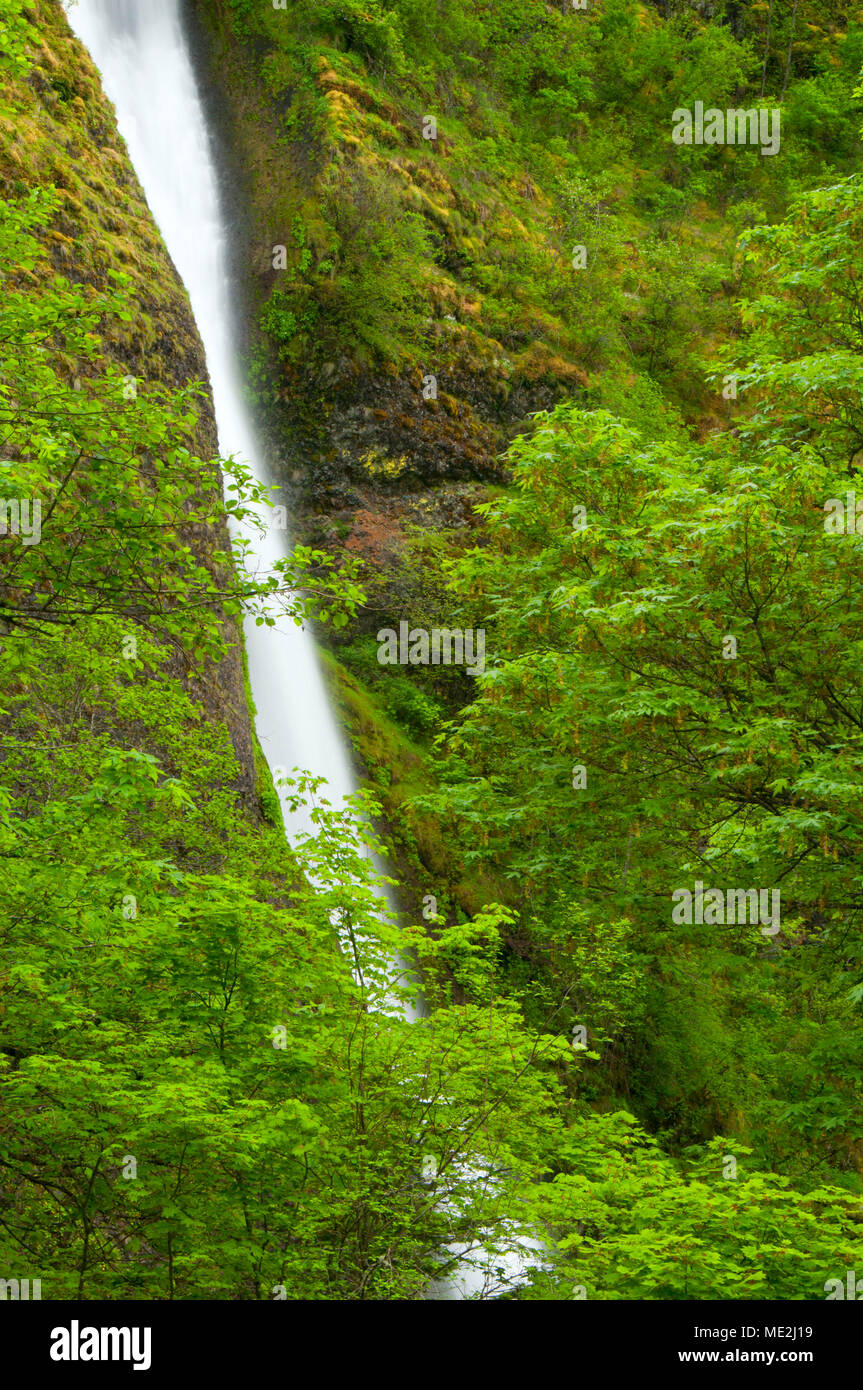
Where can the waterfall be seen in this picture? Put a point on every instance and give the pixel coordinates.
(141, 51)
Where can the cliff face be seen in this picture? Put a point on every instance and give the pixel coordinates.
(61, 134)
(64, 134)
(452, 216)
(366, 228)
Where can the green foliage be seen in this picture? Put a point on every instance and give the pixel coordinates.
(16, 34)
(122, 500)
(632, 1225)
(204, 1101)
(609, 645)
(410, 706)
(801, 354)
(407, 703)
(363, 278)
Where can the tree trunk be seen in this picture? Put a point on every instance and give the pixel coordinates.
(790, 47)
(766, 48)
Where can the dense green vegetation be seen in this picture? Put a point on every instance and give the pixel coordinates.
(208, 1088)
(405, 255)
(733, 765)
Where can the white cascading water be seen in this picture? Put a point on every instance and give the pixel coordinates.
(141, 51)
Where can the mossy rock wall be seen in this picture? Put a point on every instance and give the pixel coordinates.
(63, 134)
